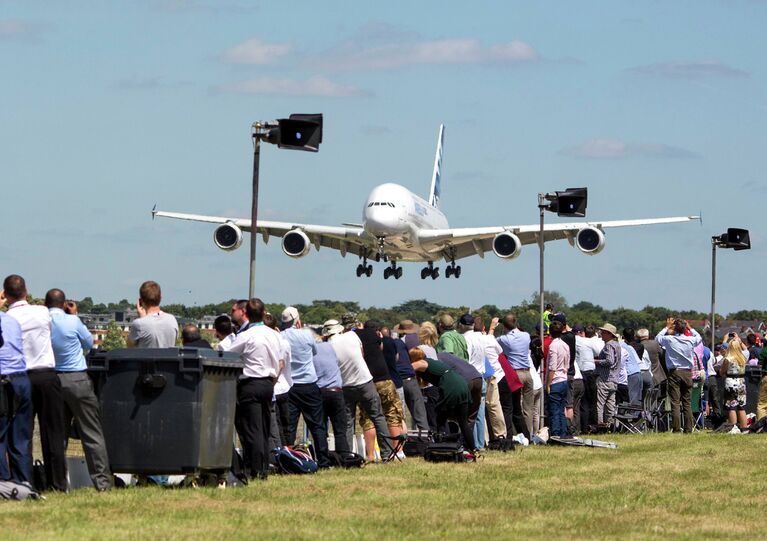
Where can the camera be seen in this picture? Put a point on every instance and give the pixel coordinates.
(732, 335)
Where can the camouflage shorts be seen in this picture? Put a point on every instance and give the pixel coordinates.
(390, 405)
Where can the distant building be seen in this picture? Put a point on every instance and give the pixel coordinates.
(97, 324)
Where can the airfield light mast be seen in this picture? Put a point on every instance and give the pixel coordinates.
(737, 239)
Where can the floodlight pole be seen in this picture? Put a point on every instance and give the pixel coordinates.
(714, 242)
(541, 208)
(254, 210)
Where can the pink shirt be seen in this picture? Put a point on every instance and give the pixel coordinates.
(558, 360)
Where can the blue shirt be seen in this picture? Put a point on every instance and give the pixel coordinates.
(302, 351)
(679, 349)
(69, 337)
(516, 346)
(12, 351)
(632, 365)
(404, 367)
(326, 367)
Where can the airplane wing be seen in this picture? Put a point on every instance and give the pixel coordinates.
(349, 238)
(478, 240)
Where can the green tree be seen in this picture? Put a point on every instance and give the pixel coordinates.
(114, 337)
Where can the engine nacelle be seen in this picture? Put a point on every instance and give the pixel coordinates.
(295, 243)
(228, 236)
(507, 245)
(590, 240)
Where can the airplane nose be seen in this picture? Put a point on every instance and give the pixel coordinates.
(381, 222)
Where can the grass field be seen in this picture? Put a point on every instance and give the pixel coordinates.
(704, 486)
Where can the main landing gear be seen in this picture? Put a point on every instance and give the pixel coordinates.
(453, 270)
(394, 270)
(431, 270)
(364, 268)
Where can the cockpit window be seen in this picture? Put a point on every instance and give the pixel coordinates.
(380, 204)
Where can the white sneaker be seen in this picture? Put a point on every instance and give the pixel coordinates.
(735, 430)
(521, 439)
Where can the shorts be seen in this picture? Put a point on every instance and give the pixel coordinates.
(735, 394)
(390, 405)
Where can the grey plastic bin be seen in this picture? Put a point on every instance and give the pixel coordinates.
(167, 411)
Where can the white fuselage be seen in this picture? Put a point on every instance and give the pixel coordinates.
(394, 213)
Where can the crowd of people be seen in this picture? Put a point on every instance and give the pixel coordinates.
(487, 382)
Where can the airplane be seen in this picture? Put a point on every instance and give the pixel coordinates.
(399, 226)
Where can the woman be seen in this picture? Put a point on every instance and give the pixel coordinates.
(454, 395)
(734, 370)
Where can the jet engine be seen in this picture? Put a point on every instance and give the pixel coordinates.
(590, 240)
(507, 245)
(228, 236)
(295, 243)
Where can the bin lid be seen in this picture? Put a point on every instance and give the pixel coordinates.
(207, 357)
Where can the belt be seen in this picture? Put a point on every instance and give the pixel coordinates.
(15, 375)
(332, 389)
(521, 369)
(408, 379)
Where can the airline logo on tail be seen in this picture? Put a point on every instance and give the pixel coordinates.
(434, 193)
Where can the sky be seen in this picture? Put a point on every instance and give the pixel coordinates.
(109, 108)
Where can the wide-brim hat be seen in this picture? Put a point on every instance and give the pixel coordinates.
(406, 326)
(331, 327)
(609, 328)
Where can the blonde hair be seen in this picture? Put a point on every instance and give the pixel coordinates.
(427, 334)
(735, 353)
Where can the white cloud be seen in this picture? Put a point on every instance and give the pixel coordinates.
(689, 70)
(317, 86)
(438, 52)
(255, 51)
(614, 148)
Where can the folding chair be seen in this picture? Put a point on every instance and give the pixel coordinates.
(630, 418)
(696, 404)
(655, 410)
(396, 447)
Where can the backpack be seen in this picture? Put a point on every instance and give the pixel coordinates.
(347, 459)
(292, 461)
(11, 490)
(449, 451)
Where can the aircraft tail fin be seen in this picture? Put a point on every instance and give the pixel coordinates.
(435, 190)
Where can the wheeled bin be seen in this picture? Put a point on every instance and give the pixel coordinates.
(167, 411)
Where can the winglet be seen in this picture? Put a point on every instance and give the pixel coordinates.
(700, 217)
(154, 210)
(436, 177)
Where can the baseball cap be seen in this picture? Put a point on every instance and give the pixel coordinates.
(349, 319)
(559, 316)
(289, 314)
(578, 328)
(466, 319)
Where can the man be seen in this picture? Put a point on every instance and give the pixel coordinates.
(16, 423)
(153, 328)
(411, 391)
(568, 337)
(358, 386)
(557, 363)
(407, 331)
(260, 349)
(633, 370)
(239, 316)
(645, 364)
(587, 348)
(608, 367)
(224, 330)
(516, 346)
(47, 400)
(372, 350)
(657, 361)
(304, 397)
(472, 330)
(69, 337)
(331, 386)
(679, 361)
(450, 340)
(191, 337)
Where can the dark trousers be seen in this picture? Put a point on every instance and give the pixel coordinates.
(635, 389)
(714, 396)
(431, 397)
(680, 391)
(252, 420)
(557, 400)
(589, 400)
(48, 405)
(475, 390)
(622, 394)
(335, 409)
(511, 405)
(460, 414)
(369, 400)
(415, 403)
(305, 399)
(83, 406)
(282, 414)
(577, 388)
(16, 430)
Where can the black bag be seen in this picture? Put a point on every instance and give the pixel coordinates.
(416, 443)
(11, 490)
(759, 427)
(39, 479)
(347, 459)
(502, 444)
(451, 451)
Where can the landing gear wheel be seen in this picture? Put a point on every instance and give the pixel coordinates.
(387, 273)
(448, 272)
(425, 272)
(398, 273)
(369, 271)
(434, 274)
(360, 271)
(457, 272)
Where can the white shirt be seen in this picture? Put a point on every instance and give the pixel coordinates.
(492, 351)
(534, 375)
(476, 348)
(226, 342)
(585, 352)
(351, 362)
(285, 381)
(260, 350)
(35, 322)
